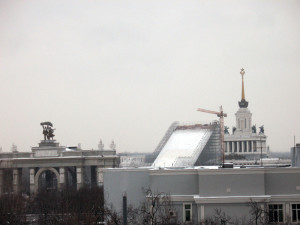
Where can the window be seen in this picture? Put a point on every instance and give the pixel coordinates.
(276, 213)
(296, 212)
(187, 212)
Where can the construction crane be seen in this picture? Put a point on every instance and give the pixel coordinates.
(220, 114)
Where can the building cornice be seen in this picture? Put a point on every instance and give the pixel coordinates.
(234, 199)
(237, 171)
(182, 198)
(160, 172)
(231, 199)
(290, 198)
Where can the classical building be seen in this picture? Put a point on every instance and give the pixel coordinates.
(245, 140)
(50, 166)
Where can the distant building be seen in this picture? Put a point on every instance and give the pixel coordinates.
(295, 155)
(50, 166)
(245, 140)
(189, 144)
(132, 160)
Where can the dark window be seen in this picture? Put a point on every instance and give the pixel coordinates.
(276, 213)
(188, 212)
(296, 212)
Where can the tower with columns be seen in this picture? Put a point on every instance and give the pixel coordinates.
(245, 140)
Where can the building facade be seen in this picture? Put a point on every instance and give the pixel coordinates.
(53, 167)
(196, 193)
(245, 140)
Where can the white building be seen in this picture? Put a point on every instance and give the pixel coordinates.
(245, 140)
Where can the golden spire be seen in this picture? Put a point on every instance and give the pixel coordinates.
(243, 91)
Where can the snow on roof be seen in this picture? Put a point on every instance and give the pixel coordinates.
(183, 147)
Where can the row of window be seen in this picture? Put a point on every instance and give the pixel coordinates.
(276, 213)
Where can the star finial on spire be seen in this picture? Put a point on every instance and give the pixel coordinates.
(243, 103)
(242, 72)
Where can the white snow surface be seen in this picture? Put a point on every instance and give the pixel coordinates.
(183, 148)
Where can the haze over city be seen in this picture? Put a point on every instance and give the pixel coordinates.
(125, 70)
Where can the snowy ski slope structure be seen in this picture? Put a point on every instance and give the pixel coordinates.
(189, 145)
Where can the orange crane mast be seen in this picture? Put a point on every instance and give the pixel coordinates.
(220, 114)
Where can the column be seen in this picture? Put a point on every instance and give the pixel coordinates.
(287, 210)
(264, 147)
(237, 146)
(202, 212)
(31, 180)
(1, 182)
(248, 146)
(243, 147)
(62, 173)
(79, 176)
(99, 171)
(16, 181)
(228, 146)
(198, 214)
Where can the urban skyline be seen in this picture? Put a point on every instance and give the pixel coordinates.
(124, 71)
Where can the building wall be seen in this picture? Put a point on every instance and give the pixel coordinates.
(169, 184)
(280, 183)
(118, 181)
(231, 184)
(208, 189)
(233, 210)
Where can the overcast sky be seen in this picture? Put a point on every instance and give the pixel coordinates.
(125, 70)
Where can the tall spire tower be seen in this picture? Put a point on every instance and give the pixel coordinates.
(243, 103)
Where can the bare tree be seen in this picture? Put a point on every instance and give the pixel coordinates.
(12, 209)
(157, 209)
(111, 216)
(259, 214)
(219, 218)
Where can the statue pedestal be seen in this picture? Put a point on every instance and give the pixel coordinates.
(48, 143)
(48, 148)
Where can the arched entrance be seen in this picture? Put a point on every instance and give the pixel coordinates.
(46, 179)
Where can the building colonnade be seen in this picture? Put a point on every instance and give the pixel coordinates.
(12, 180)
(245, 146)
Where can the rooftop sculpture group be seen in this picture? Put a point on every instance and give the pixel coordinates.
(48, 131)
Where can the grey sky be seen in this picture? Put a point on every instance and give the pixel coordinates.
(125, 70)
